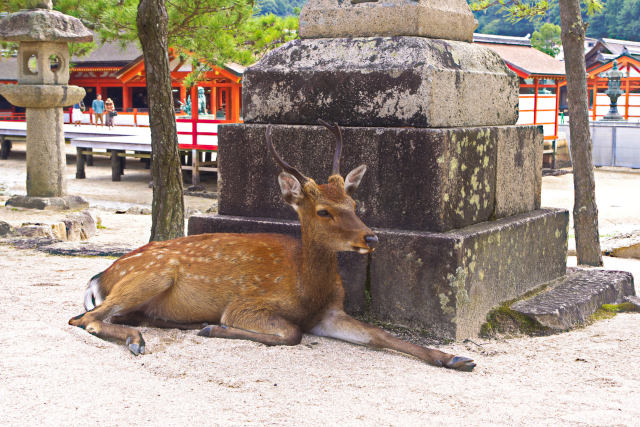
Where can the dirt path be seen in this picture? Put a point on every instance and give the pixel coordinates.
(51, 373)
(54, 374)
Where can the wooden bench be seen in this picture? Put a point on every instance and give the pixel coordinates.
(6, 143)
(118, 148)
(122, 142)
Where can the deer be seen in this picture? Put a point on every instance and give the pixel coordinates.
(264, 287)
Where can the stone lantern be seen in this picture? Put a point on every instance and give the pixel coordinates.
(613, 92)
(43, 77)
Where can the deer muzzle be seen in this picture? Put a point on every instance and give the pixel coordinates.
(371, 240)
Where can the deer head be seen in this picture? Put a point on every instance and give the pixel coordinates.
(327, 212)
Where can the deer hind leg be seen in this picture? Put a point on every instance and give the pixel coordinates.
(255, 325)
(127, 296)
(337, 324)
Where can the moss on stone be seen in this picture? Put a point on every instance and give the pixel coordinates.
(505, 321)
(502, 320)
(607, 311)
(625, 307)
(600, 314)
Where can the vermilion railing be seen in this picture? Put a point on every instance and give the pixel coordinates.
(12, 117)
(194, 132)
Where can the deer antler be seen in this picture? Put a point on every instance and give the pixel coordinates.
(284, 165)
(335, 129)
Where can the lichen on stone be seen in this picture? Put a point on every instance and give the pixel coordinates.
(458, 282)
(444, 305)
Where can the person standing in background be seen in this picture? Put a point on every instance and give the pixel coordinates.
(77, 113)
(98, 108)
(110, 113)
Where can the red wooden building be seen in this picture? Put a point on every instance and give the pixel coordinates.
(119, 74)
(541, 77)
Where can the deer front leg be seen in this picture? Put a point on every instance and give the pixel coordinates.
(254, 325)
(337, 324)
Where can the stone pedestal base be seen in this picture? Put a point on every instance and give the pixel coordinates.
(417, 178)
(48, 203)
(443, 282)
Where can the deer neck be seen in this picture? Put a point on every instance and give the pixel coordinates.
(319, 268)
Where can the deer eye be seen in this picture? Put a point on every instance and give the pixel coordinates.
(324, 213)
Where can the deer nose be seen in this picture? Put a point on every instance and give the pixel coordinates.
(371, 240)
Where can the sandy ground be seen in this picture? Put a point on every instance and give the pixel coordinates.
(54, 374)
(616, 196)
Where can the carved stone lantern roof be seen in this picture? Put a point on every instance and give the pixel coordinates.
(43, 25)
(43, 54)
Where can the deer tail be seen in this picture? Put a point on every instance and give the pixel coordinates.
(93, 296)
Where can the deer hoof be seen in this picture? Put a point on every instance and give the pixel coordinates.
(461, 364)
(213, 331)
(205, 332)
(135, 348)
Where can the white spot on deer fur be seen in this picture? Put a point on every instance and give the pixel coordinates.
(277, 279)
(174, 262)
(159, 256)
(132, 256)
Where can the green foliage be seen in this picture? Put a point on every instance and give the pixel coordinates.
(514, 10)
(280, 7)
(217, 31)
(618, 19)
(547, 39)
(265, 32)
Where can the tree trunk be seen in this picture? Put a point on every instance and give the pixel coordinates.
(168, 203)
(585, 210)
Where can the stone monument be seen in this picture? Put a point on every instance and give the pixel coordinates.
(43, 77)
(452, 186)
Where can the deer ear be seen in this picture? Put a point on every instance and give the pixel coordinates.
(291, 189)
(352, 181)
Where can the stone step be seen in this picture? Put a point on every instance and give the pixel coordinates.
(571, 300)
(633, 300)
